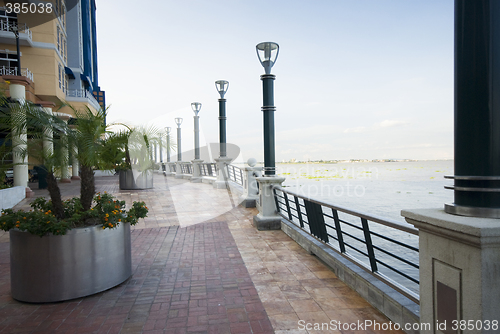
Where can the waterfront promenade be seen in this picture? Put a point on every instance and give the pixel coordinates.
(199, 266)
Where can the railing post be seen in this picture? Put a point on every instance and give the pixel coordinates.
(299, 211)
(338, 229)
(369, 245)
(287, 203)
(316, 220)
(250, 186)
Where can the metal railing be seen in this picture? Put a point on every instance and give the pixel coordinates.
(6, 25)
(83, 93)
(235, 174)
(187, 168)
(5, 70)
(351, 234)
(208, 169)
(171, 167)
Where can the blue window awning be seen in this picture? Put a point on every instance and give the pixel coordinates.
(69, 72)
(87, 81)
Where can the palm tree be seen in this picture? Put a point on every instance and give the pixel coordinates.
(25, 127)
(91, 137)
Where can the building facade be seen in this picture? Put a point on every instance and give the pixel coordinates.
(58, 53)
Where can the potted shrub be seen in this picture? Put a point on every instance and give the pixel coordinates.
(136, 172)
(68, 249)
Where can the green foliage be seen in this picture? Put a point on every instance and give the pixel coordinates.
(107, 212)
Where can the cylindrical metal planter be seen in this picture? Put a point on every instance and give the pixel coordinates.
(132, 180)
(60, 267)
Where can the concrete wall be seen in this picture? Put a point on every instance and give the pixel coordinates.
(9, 197)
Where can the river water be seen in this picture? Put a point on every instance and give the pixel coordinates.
(376, 188)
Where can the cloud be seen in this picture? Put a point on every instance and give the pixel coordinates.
(356, 130)
(389, 123)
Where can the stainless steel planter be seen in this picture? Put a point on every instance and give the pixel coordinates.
(82, 262)
(132, 180)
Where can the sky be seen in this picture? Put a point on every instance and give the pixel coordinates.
(355, 79)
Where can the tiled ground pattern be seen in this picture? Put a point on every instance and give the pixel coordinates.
(292, 284)
(185, 280)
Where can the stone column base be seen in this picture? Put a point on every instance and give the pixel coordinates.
(178, 170)
(266, 223)
(248, 202)
(221, 182)
(65, 180)
(196, 178)
(75, 178)
(459, 268)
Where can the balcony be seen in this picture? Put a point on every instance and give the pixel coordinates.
(82, 95)
(5, 70)
(8, 37)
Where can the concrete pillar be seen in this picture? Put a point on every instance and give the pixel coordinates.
(48, 143)
(221, 182)
(267, 218)
(75, 164)
(250, 185)
(196, 177)
(65, 175)
(17, 90)
(459, 271)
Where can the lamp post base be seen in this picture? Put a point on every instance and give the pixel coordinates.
(221, 182)
(267, 218)
(178, 170)
(459, 269)
(196, 178)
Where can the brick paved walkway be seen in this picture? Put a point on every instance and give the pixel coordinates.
(199, 266)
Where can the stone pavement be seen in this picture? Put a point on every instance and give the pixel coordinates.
(199, 266)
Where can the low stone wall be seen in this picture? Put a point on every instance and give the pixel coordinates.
(9, 197)
(398, 308)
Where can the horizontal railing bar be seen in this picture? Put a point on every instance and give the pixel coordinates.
(395, 241)
(397, 257)
(351, 224)
(399, 272)
(357, 250)
(383, 221)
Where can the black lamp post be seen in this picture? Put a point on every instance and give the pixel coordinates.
(477, 109)
(196, 106)
(178, 121)
(15, 30)
(222, 87)
(268, 53)
(167, 130)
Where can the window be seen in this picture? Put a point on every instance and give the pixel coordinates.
(65, 51)
(8, 58)
(7, 20)
(58, 39)
(60, 76)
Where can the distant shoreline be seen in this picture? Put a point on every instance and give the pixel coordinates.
(356, 161)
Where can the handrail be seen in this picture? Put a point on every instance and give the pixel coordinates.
(5, 25)
(6, 70)
(208, 169)
(311, 217)
(235, 174)
(374, 218)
